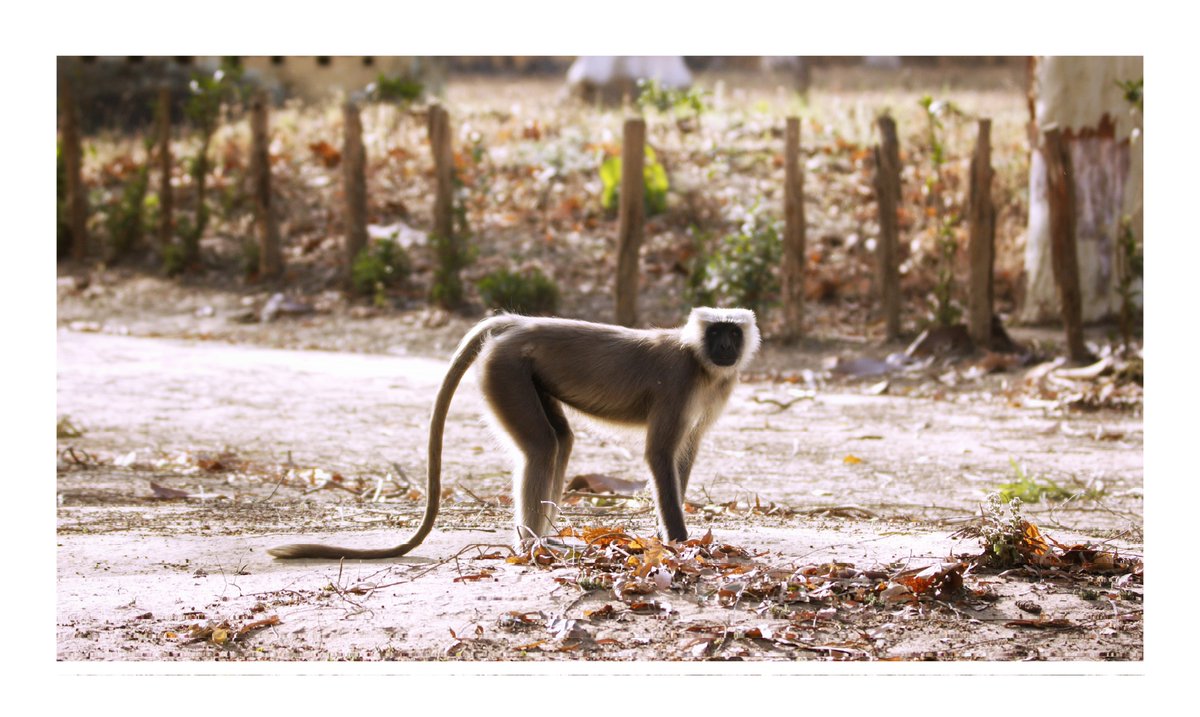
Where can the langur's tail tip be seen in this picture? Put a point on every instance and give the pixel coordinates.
(287, 551)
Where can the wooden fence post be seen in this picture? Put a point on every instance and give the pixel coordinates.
(166, 196)
(354, 186)
(887, 191)
(443, 164)
(981, 246)
(72, 151)
(270, 256)
(1063, 257)
(447, 286)
(794, 260)
(630, 219)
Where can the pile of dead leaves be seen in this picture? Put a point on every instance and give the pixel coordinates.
(642, 571)
(1010, 541)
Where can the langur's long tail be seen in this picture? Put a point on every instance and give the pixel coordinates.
(468, 350)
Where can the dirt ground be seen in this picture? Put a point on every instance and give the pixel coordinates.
(203, 441)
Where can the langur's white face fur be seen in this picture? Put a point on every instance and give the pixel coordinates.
(693, 334)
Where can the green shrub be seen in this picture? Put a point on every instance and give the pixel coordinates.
(742, 270)
(399, 89)
(174, 259)
(126, 222)
(654, 179)
(380, 266)
(529, 293)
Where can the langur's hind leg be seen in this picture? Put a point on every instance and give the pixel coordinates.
(566, 439)
(517, 404)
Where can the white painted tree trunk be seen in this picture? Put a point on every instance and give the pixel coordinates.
(1081, 96)
(610, 77)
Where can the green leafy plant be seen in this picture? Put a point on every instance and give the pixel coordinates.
(1033, 489)
(686, 104)
(1129, 249)
(946, 311)
(1132, 90)
(742, 269)
(530, 292)
(1007, 538)
(173, 259)
(126, 221)
(1030, 490)
(399, 89)
(203, 109)
(654, 180)
(378, 267)
(1129, 276)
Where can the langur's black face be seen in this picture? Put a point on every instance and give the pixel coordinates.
(723, 343)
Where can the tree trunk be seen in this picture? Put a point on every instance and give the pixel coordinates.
(630, 220)
(793, 237)
(447, 284)
(270, 257)
(1059, 176)
(981, 247)
(1082, 97)
(887, 191)
(354, 178)
(73, 162)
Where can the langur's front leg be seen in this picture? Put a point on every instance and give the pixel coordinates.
(663, 436)
(686, 459)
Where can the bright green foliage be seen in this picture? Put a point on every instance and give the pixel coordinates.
(1031, 489)
(399, 89)
(1132, 89)
(378, 267)
(683, 102)
(530, 293)
(654, 179)
(742, 269)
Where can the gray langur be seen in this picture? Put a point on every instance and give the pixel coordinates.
(674, 382)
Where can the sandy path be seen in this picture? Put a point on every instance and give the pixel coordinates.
(132, 572)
